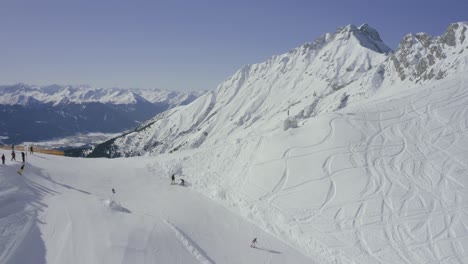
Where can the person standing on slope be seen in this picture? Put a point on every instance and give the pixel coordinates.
(13, 155)
(173, 179)
(23, 156)
(31, 150)
(3, 159)
(254, 242)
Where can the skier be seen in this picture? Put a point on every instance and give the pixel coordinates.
(182, 182)
(3, 159)
(173, 179)
(13, 156)
(20, 172)
(254, 241)
(23, 156)
(31, 151)
(113, 190)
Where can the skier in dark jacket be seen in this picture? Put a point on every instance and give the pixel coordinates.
(13, 156)
(3, 159)
(173, 179)
(182, 182)
(254, 242)
(23, 156)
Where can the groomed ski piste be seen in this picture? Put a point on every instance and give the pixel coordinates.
(380, 181)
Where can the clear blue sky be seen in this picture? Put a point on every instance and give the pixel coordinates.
(185, 45)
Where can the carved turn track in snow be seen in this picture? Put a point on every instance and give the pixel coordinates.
(388, 183)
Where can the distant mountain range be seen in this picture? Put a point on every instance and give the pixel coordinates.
(34, 113)
(337, 69)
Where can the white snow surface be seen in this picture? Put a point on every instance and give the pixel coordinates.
(383, 181)
(62, 210)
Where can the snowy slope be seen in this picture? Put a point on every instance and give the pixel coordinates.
(337, 69)
(373, 174)
(381, 181)
(62, 211)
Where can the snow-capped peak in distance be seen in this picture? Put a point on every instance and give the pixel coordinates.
(54, 111)
(23, 94)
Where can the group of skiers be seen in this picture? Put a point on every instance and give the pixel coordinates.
(13, 157)
(182, 181)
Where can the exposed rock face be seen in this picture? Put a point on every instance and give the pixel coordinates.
(421, 57)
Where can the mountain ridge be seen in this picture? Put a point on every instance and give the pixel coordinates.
(325, 75)
(34, 113)
(16, 94)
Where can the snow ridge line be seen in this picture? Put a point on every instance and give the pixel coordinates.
(190, 245)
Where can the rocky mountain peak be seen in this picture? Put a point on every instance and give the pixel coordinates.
(455, 34)
(422, 57)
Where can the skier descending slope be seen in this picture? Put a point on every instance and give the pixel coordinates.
(20, 171)
(254, 242)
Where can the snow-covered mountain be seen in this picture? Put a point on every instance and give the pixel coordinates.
(32, 113)
(23, 94)
(374, 172)
(337, 69)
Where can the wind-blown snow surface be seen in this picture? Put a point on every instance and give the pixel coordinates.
(384, 181)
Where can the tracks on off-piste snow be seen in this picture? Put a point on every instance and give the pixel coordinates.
(410, 206)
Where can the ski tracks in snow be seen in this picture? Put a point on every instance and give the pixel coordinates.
(397, 193)
(190, 245)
